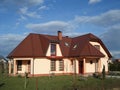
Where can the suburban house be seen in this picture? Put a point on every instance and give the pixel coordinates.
(3, 64)
(40, 55)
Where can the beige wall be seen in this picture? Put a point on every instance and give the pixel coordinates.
(90, 68)
(104, 59)
(41, 66)
(68, 67)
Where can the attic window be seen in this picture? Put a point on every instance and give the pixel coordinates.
(66, 44)
(75, 46)
(97, 47)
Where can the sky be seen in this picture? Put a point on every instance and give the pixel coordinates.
(18, 18)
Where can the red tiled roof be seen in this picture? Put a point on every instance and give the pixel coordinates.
(36, 45)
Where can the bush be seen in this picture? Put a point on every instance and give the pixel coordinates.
(103, 72)
(97, 75)
(115, 66)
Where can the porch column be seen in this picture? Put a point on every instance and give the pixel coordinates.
(9, 63)
(15, 67)
(99, 65)
(84, 65)
(74, 63)
(32, 66)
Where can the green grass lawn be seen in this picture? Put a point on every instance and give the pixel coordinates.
(58, 83)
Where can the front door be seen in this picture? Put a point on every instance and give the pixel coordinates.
(81, 69)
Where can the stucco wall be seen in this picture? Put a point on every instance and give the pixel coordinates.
(41, 66)
(104, 59)
(90, 68)
(68, 67)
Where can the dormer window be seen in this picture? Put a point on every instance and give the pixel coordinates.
(66, 44)
(53, 49)
(75, 46)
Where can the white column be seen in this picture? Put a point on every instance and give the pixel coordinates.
(32, 66)
(9, 63)
(74, 63)
(84, 66)
(15, 67)
(99, 65)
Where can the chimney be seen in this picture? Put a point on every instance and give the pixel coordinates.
(59, 35)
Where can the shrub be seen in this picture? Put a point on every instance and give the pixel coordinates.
(115, 66)
(103, 72)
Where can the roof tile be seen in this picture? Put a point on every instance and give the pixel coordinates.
(36, 45)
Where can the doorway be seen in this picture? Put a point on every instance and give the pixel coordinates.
(81, 67)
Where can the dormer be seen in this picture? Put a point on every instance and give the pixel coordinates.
(54, 50)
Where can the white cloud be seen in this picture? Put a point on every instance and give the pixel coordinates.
(52, 27)
(43, 8)
(35, 2)
(49, 26)
(94, 1)
(25, 12)
(8, 42)
(109, 18)
(22, 3)
(106, 19)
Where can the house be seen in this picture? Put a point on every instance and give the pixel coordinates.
(3, 64)
(41, 55)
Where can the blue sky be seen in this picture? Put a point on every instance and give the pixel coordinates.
(18, 18)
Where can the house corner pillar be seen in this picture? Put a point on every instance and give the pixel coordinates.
(9, 64)
(99, 65)
(15, 67)
(32, 67)
(84, 65)
(74, 64)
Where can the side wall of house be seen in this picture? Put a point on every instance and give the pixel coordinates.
(104, 60)
(42, 66)
(90, 67)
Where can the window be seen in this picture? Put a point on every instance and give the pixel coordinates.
(61, 65)
(53, 49)
(67, 44)
(19, 65)
(75, 46)
(53, 65)
(97, 47)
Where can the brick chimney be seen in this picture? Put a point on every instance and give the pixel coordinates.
(59, 35)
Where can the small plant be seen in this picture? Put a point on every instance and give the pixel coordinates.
(97, 75)
(103, 72)
(19, 76)
(26, 76)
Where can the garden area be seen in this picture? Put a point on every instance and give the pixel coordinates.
(58, 83)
